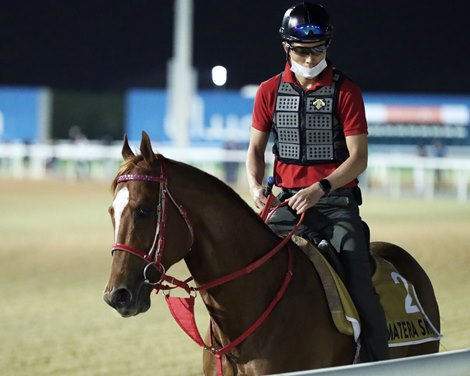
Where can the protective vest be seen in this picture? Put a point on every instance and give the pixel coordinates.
(306, 126)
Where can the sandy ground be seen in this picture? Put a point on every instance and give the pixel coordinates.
(55, 261)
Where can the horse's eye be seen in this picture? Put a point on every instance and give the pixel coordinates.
(141, 212)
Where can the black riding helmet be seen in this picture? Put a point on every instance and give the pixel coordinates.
(306, 22)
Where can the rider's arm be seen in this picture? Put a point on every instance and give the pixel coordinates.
(352, 115)
(352, 167)
(349, 170)
(255, 165)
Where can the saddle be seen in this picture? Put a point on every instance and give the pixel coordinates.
(331, 254)
(407, 323)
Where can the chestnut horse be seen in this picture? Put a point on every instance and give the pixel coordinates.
(165, 211)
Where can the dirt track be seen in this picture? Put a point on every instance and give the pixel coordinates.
(55, 262)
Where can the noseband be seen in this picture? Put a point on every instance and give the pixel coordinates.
(153, 257)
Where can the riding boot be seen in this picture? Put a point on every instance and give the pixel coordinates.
(374, 337)
(374, 332)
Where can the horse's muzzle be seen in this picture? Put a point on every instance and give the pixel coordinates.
(121, 298)
(123, 301)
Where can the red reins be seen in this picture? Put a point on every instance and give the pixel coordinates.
(245, 270)
(182, 309)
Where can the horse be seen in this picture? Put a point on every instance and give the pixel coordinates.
(165, 211)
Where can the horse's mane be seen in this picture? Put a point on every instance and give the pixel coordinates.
(136, 162)
(220, 187)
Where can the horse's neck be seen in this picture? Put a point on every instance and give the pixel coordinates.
(229, 238)
(228, 235)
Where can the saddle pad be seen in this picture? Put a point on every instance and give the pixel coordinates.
(343, 312)
(407, 322)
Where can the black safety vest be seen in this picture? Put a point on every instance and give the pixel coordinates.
(306, 126)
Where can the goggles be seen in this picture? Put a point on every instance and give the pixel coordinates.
(301, 31)
(305, 51)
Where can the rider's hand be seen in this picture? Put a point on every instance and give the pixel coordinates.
(306, 198)
(257, 193)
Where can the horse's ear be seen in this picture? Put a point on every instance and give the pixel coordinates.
(126, 152)
(146, 149)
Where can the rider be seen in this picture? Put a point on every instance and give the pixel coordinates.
(316, 115)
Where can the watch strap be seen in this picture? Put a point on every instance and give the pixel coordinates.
(325, 185)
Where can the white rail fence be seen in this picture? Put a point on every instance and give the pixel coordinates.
(395, 175)
(451, 363)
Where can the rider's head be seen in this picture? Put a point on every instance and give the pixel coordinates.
(306, 23)
(306, 33)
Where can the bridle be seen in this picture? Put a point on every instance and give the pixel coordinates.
(182, 309)
(153, 256)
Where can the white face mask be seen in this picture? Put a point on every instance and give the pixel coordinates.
(308, 72)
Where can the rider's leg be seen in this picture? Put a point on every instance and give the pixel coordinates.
(348, 236)
(337, 218)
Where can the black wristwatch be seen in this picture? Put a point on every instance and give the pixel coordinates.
(325, 186)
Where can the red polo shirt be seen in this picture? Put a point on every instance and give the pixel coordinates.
(351, 113)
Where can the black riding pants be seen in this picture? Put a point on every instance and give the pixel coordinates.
(336, 218)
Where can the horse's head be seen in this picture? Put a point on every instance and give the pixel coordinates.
(143, 212)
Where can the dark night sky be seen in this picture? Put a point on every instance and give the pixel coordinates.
(399, 46)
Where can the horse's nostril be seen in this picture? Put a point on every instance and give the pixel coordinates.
(121, 298)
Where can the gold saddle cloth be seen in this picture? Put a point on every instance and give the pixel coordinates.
(407, 323)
